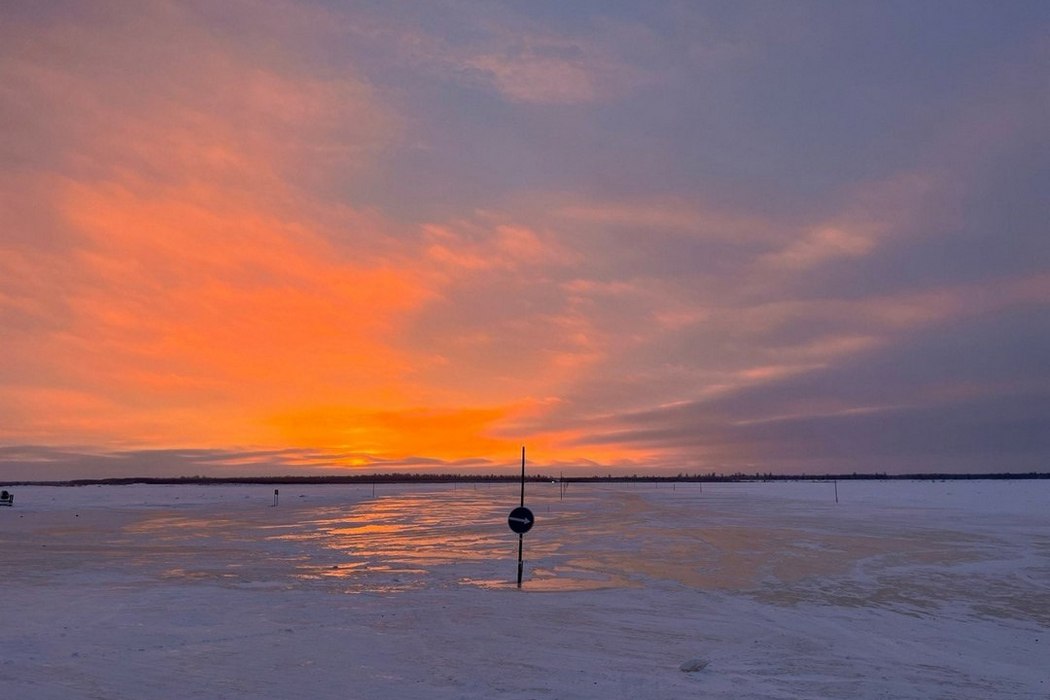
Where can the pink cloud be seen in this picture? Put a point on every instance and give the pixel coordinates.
(538, 67)
(819, 246)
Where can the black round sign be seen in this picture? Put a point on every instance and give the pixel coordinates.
(520, 520)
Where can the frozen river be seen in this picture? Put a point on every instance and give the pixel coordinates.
(898, 590)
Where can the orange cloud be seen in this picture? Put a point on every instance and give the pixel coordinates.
(185, 284)
(200, 295)
(201, 291)
(180, 297)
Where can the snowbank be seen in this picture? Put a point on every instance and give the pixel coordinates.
(902, 590)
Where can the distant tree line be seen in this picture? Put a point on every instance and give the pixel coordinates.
(417, 478)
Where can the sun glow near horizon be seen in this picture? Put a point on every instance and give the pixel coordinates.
(426, 236)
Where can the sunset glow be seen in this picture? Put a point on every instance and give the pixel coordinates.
(279, 237)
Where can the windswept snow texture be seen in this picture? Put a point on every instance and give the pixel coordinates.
(899, 590)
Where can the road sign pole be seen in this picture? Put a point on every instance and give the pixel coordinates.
(521, 539)
(521, 535)
(522, 475)
(521, 519)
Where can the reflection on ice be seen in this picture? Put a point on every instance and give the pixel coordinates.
(402, 541)
(784, 544)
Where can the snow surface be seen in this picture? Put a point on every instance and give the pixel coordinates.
(900, 590)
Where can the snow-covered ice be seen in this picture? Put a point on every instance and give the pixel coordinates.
(900, 590)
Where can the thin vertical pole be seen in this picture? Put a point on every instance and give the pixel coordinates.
(836, 492)
(521, 539)
(521, 536)
(523, 475)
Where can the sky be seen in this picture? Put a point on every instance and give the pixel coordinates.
(635, 236)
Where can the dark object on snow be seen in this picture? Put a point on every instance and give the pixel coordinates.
(693, 665)
(7, 498)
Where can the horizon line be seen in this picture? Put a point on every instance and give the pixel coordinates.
(419, 478)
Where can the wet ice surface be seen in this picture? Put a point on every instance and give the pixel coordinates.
(900, 590)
